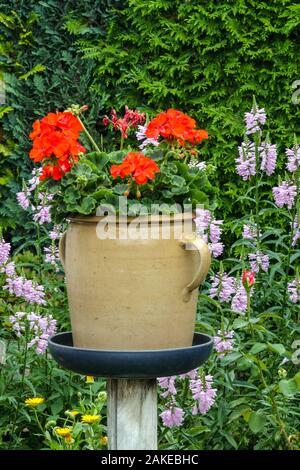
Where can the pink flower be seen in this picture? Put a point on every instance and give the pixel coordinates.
(268, 154)
(285, 194)
(40, 328)
(294, 291)
(203, 394)
(246, 162)
(259, 261)
(140, 135)
(26, 289)
(239, 300)
(223, 342)
(167, 383)
(296, 230)
(23, 201)
(293, 158)
(223, 287)
(193, 374)
(210, 230)
(4, 251)
(249, 232)
(255, 119)
(42, 214)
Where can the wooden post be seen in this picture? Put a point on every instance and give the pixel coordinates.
(132, 414)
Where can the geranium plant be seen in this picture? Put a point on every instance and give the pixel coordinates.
(160, 166)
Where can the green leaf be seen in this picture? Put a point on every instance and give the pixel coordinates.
(102, 194)
(198, 197)
(277, 348)
(57, 406)
(257, 348)
(196, 430)
(71, 195)
(232, 357)
(257, 422)
(229, 438)
(99, 159)
(87, 205)
(177, 181)
(120, 189)
(240, 411)
(118, 156)
(239, 323)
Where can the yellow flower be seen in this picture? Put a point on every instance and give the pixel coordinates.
(63, 432)
(104, 440)
(90, 419)
(69, 439)
(89, 379)
(34, 402)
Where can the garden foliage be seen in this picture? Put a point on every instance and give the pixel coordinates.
(205, 58)
(42, 71)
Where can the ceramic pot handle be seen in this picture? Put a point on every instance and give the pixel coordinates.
(196, 243)
(62, 248)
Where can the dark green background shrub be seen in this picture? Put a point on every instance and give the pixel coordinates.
(42, 71)
(206, 58)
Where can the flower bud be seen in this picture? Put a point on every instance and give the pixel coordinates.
(282, 373)
(50, 423)
(89, 379)
(102, 396)
(248, 279)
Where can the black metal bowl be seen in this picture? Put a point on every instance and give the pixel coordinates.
(129, 364)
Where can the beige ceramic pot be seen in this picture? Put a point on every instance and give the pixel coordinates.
(133, 293)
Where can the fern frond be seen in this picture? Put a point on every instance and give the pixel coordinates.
(36, 69)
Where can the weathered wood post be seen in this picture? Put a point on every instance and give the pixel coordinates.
(132, 414)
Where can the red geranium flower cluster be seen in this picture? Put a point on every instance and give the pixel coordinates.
(175, 125)
(132, 118)
(141, 168)
(55, 136)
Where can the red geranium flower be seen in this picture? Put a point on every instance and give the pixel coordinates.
(56, 172)
(56, 135)
(141, 168)
(175, 125)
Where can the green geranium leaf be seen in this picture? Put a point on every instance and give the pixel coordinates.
(71, 195)
(87, 205)
(120, 189)
(99, 159)
(117, 157)
(102, 193)
(176, 180)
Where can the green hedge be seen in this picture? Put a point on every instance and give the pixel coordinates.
(207, 58)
